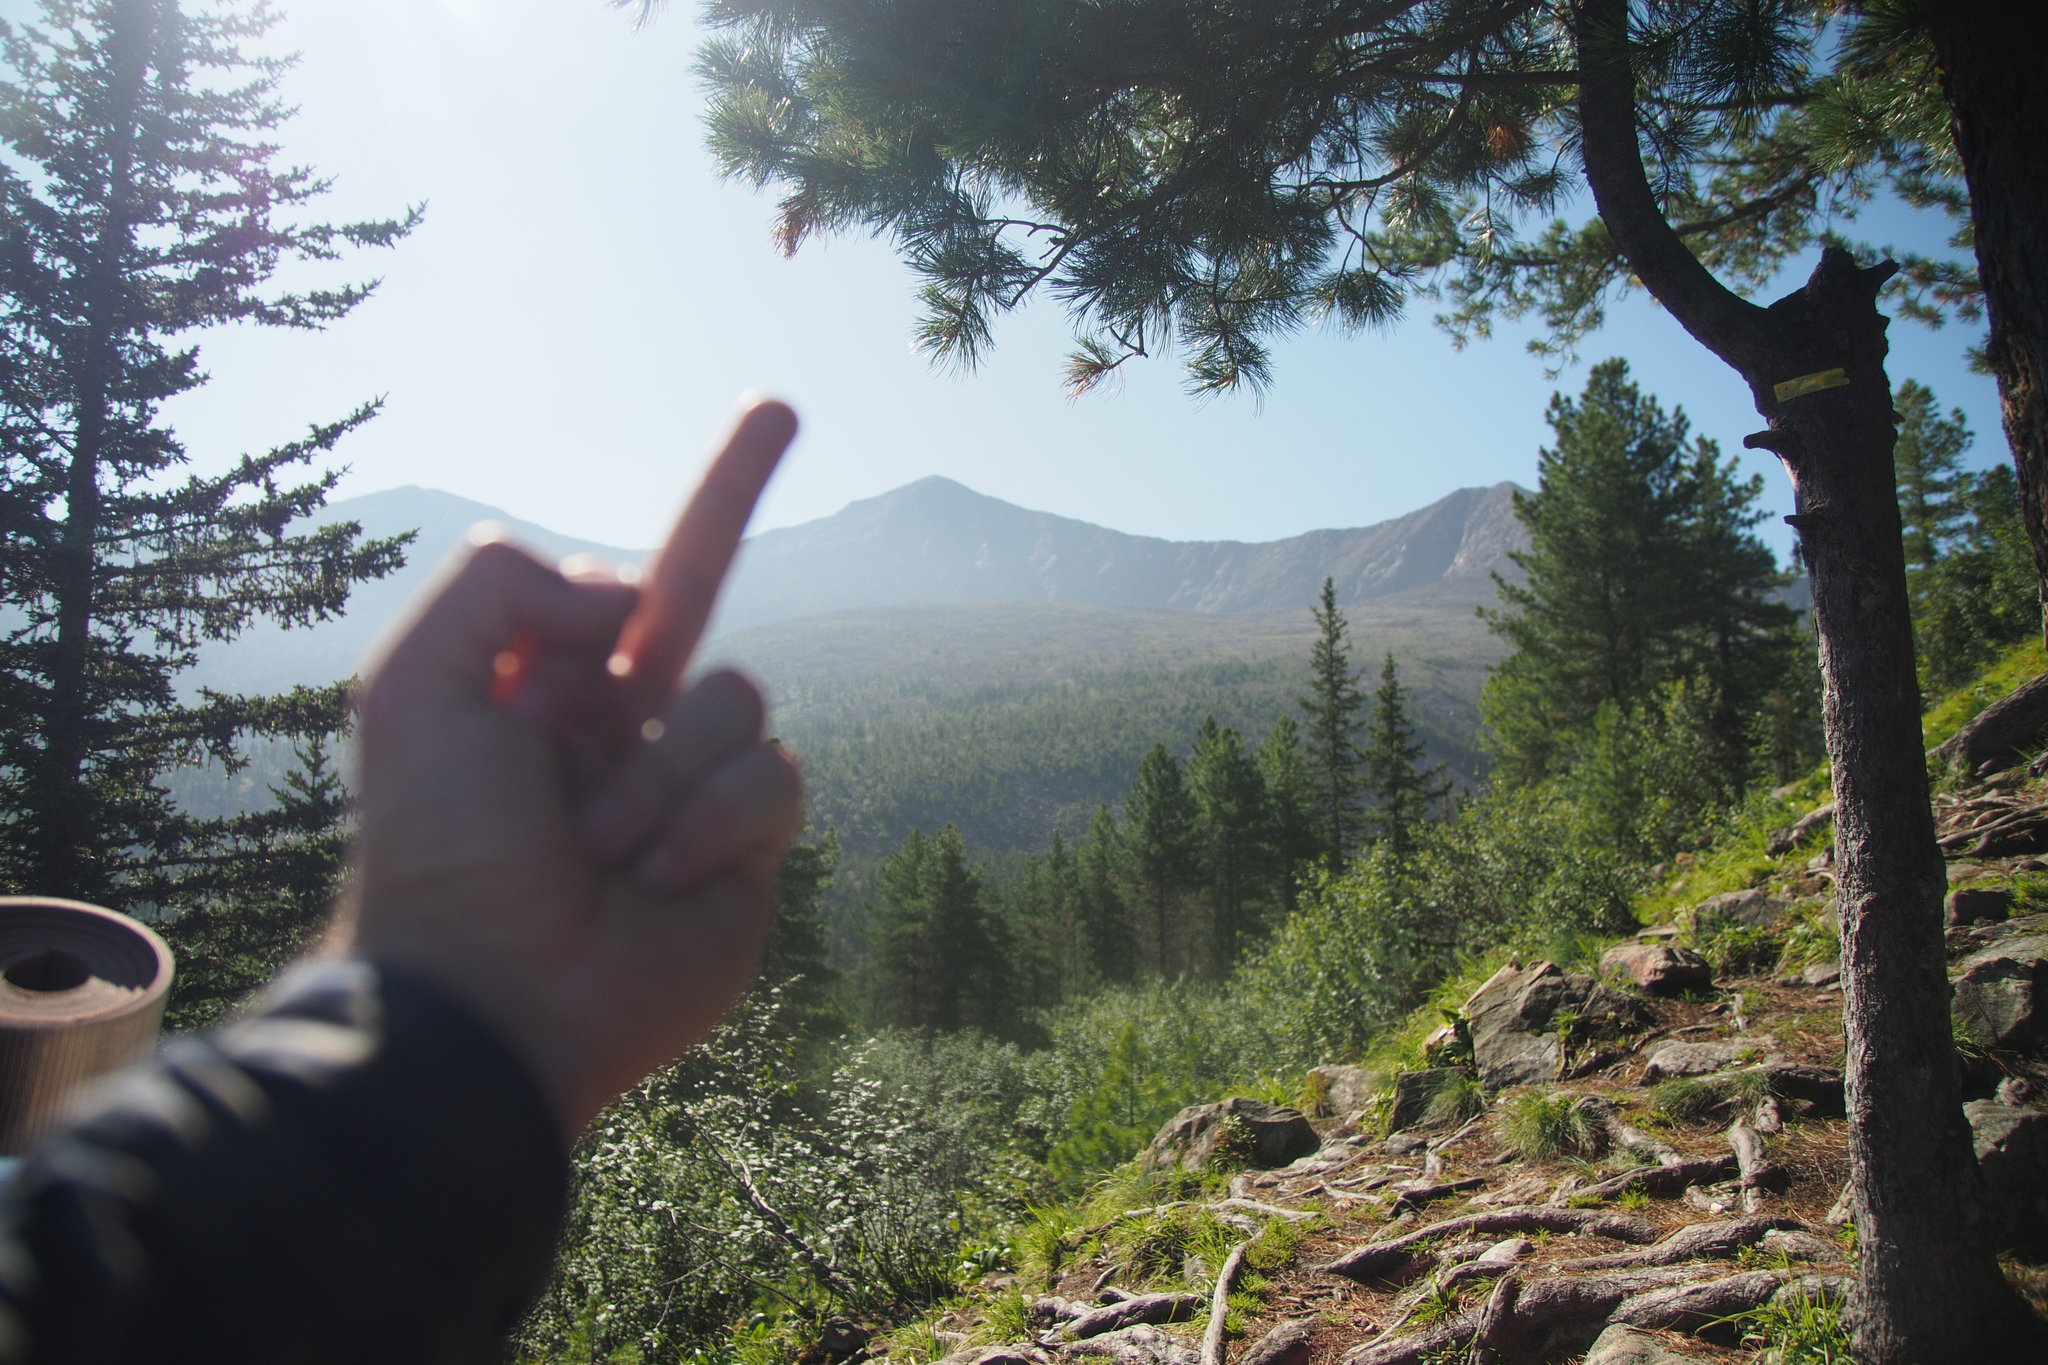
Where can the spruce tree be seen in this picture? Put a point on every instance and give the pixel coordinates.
(1403, 792)
(935, 957)
(1292, 839)
(1159, 832)
(1968, 563)
(1233, 850)
(1334, 707)
(140, 203)
(1104, 912)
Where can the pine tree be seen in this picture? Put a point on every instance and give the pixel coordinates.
(1158, 831)
(1642, 570)
(1105, 914)
(1334, 707)
(1233, 848)
(1403, 792)
(139, 204)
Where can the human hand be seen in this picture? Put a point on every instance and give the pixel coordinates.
(584, 857)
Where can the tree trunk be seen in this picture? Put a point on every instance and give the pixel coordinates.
(63, 862)
(1930, 1289)
(1994, 74)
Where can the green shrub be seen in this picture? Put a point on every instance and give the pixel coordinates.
(1539, 1127)
(1457, 1099)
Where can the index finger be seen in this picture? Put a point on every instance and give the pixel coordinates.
(678, 591)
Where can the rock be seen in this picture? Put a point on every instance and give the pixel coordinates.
(1690, 1059)
(1735, 910)
(2001, 993)
(1343, 1089)
(1286, 1344)
(1189, 1139)
(2012, 1152)
(1140, 1345)
(1969, 904)
(842, 1337)
(1018, 1353)
(1818, 1088)
(1513, 1020)
(1152, 1308)
(1660, 969)
(1620, 1345)
(1429, 1097)
(1822, 974)
(1401, 1144)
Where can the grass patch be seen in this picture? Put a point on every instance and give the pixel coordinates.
(1736, 861)
(1805, 1329)
(1687, 1099)
(1456, 1100)
(1736, 951)
(1634, 1199)
(1540, 1127)
(1437, 1303)
(1809, 941)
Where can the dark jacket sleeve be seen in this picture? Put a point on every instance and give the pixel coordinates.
(360, 1173)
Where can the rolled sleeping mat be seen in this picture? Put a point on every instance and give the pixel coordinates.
(82, 992)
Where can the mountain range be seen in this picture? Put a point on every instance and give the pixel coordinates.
(935, 543)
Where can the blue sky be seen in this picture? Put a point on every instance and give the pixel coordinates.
(568, 331)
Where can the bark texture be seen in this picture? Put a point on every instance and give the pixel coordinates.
(1992, 58)
(1930, 1290)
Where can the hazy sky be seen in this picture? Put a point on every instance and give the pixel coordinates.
(570, 327)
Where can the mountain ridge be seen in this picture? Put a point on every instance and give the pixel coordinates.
(933, 542)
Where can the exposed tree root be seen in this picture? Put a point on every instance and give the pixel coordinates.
(1661, 1179)
(1694, 1242)
(1375, 1259)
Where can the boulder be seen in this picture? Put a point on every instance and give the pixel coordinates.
(1427, 1096)
(1735, 910)
(2001, 993)
(2012, 1152)
(1970, 904)
(1690, 1059)
(1620, 1345)
(1277, 1136)
(1514, 1018)
(1659, 968)
(1343, 1089)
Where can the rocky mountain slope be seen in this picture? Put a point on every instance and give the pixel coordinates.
(1639, 1160)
